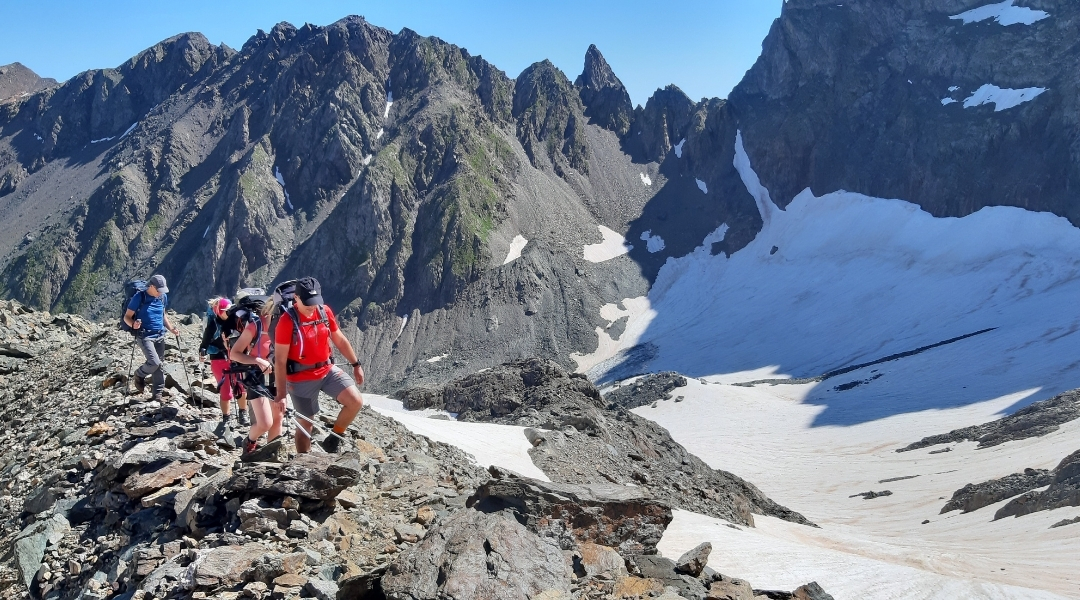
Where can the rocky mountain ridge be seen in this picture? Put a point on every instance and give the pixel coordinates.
(105, 494)
(402, 170)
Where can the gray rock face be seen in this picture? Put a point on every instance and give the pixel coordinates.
(646, 390)
(605, 98)
(478, 556)
(693, 561)
(314, 476)
(895, 64)
(1064, 491)
(500, 391)
(609, 515)
(30, 544)
(975, 496)
(576, 440)
(663, 570)
(1035, 420)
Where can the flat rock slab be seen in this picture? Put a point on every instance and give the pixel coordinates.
(610, 515)
(140, 484)
(478, 556)
(313, 476)
(30, 544)
(225, 565)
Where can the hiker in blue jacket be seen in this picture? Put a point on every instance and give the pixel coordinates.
(146, 316)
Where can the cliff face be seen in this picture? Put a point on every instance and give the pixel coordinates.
(884, 98)
(445, 206)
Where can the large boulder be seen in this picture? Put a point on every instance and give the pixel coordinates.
(314, 476)
(478, 556)
(621, 517)
(1064, 490)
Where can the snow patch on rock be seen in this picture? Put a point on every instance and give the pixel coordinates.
(612, 246)
(645, 179)
(516, 246)
(653, 243)
(1003, 98)
(281, 180)
(678, 148)
(129, 130)
(1005, 13)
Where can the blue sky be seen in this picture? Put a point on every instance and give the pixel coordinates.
(703, 46)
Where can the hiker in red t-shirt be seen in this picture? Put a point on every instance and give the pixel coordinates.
(303, 364)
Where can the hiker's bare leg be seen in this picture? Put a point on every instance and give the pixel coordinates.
(303, 441)
(263, 409)
(277, 413)
(351, 402)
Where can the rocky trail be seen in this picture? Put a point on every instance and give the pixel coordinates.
(109, 495)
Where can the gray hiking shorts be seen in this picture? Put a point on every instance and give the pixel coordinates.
(305, 394)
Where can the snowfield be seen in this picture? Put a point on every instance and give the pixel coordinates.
(832, 282)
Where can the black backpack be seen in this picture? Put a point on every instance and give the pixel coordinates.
(131, 288)
(247, 309)
(284, 298)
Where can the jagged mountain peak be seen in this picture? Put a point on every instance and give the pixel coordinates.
(597, 74)
(607, 103)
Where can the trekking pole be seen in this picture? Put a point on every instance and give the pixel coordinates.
(316, 426)
(183, 367)
(130, 373)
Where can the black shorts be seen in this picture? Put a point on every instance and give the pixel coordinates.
(256, 383)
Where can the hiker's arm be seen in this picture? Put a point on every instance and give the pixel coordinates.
(237, 353)
(207, 335)
(168, 324)
(129, 318)
(281, 357)
(346, 349)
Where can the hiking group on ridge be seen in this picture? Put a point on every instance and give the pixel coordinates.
(263, 351)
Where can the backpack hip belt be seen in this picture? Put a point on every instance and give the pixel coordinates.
(292, 367)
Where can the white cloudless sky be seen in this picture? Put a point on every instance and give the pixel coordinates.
(702, 46)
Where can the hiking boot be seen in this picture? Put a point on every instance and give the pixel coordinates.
(140, 383)
(331, 443)
(250, 446)
(156, 397)
(243, 419)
